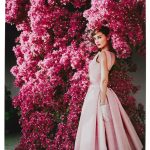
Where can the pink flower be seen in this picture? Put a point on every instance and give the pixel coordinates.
(14, 70)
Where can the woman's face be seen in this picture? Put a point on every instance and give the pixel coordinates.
(100, 39)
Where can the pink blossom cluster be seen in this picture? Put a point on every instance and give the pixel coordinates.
(16, 10)
(36, 131)
(125, 20)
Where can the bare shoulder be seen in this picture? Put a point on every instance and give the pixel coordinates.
(103, 56)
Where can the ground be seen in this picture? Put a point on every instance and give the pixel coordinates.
(11, 140)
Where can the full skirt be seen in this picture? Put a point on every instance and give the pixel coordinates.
(105, 127)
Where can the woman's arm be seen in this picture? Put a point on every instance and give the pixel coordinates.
(104, 78)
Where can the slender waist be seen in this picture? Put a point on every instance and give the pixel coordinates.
(97, 85)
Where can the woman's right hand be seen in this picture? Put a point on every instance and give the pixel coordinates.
(103, 102)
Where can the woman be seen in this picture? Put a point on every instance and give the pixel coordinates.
(104, 124)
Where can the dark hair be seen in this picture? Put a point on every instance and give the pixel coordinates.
(105, 30)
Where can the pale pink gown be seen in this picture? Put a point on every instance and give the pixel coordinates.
(104, 127)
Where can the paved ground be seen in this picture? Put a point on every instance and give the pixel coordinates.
(11, 140)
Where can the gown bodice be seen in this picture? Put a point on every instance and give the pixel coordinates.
(94, 71)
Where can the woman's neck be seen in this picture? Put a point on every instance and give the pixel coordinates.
(104, 49)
